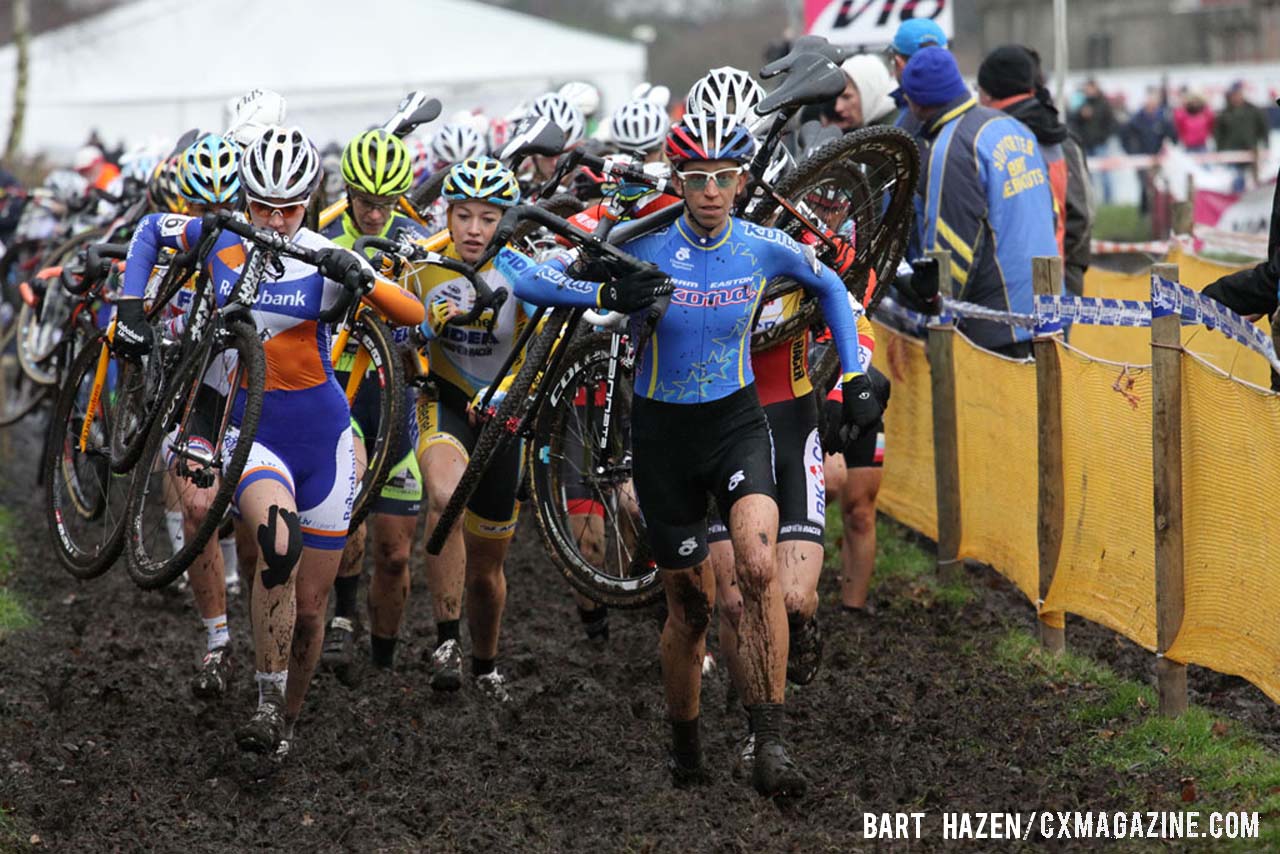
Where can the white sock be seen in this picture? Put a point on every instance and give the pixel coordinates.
(216, 630)
(230, 564)
(271, 683)
(173, 524)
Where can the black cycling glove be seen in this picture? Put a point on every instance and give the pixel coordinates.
(133, 334)
(829, 425)
(343, 266)
(920, 287)
(861, 408)
(634, 291)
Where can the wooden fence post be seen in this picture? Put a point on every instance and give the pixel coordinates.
(1046, 278)
(1166, 471)
(946, 444)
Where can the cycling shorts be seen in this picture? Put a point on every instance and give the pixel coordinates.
(492, 510)
(684, 453)
(867, 451)
(402, 493)
(304, 441)
(802, 491)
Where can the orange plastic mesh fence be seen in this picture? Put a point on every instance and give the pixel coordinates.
(996, 435)
(1231, 545)
(907, 492)
(1132, 345)
(1105, 571)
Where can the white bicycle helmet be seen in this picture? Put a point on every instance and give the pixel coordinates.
(582, 95)
(252, 113)
(638, 126)
(659, 94)
(280, 164)
(456, 142)
(66, 185)
(730, 91)
(564, 114)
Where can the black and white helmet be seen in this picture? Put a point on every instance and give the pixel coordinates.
(280, 164)
(456, 142)
(729, 91)
(639, 126)
(566, 116)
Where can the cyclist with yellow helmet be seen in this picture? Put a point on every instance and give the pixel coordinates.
(377, 169)
(465, 360)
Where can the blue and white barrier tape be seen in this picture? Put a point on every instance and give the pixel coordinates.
(1053, 311)
(1195, 308)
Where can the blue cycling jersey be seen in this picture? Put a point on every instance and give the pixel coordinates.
(701, 348)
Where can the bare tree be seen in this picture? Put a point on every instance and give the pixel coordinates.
(21, 39)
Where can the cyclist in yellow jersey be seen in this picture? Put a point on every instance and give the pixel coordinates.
(465, 360)
(377, 169)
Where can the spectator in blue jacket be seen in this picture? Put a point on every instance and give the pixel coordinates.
(986, 196)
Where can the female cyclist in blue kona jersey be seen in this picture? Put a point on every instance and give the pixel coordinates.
(377, 170)
(698, 428)
(294, 498)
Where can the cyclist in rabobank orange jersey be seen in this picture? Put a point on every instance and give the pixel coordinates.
(294, 497)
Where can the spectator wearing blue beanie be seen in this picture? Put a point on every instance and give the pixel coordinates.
(985, 193)
(932, 78)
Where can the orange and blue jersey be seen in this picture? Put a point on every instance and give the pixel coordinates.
(305, 417)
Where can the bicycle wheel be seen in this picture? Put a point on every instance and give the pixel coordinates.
(501, 427)
(585, 500)
(137, 386)
(155, 558)
(39, 332)
(18, 394)
(371, 337)
(85, 502)
(861, 184)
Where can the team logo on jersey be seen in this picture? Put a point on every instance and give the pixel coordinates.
(815, 480)
(687, 547)
(736, 478)
(682, 254)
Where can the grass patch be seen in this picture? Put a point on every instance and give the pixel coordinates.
(901, 564)
(1121, 222)
(1222, 764)
(12, 615)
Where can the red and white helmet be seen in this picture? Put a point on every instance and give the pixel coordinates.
(280, 164)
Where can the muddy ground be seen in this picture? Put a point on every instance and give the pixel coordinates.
(102, 747)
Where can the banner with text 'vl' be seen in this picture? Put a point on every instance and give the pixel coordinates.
(870, 24)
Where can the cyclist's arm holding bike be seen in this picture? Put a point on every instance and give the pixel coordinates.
(154, 233)
(788, 258)
(548, 284)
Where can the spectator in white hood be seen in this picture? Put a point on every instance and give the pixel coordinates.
(866, 99)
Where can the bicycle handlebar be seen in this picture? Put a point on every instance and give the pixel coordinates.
(557, 225)
(406, 249)
(279, 244)
(96, 267)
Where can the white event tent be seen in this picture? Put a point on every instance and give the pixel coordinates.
(158, 67)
